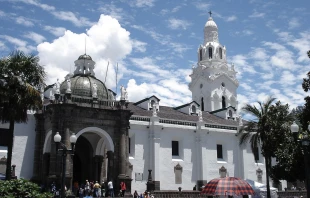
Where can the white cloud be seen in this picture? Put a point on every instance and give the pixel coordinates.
(288, 78)
(142, 3)
(178, 23)
(71, 17)
(113, 11)
(166, 40)
(259, 54)
(139, 45)
(231, 18)
(256, 14)
(107, 42)
(247, 32)
(24, 21)
(302, 45)
(14, 41)
(202, 6)
(57, 31)
(18, 43)
(35, 37)
(165, 91)
(41, 5)
(293, 23)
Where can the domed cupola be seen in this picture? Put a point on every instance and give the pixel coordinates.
(210, 31)
(83, 84)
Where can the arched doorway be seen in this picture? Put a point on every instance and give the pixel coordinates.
(83, 160)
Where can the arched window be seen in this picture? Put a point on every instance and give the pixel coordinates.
(221, 53)
(202, 105)
(223, 102)
(193, 109)
(152, 103)
(200, 54)
(210, 52)
(230, 113)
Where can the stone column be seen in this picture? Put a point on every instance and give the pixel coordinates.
(110, 156)
(199, 157)
(98, 164)
(122, 153)
(38, 175)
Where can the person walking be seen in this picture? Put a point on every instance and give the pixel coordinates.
(110, 187)
(135, 194)
(96, 189)
(87, 188)
(123, 188)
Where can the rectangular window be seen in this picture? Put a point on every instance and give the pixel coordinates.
(219, 149)
(129, 145)
(256, 154)
(175, 148)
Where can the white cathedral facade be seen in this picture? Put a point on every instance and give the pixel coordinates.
(182, 146)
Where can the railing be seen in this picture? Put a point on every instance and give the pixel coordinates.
(177, 122)
(175, 194)
(138, 118)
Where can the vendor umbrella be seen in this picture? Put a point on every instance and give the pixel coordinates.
(228, 186)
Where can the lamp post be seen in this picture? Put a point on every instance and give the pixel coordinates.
(305, 142)
(64, 151)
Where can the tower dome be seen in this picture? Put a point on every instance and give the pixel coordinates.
(210, 31)
(82, 87)
(83, 84)
(210, 23)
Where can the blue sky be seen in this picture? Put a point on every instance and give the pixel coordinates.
(154, 42)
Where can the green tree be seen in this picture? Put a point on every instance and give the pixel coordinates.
(21, 188)
(270, 122)
(20, 75)
(305, 115)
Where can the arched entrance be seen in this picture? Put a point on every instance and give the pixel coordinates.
(83, 161)
(90, 157)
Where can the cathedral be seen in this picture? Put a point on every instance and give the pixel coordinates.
(140, 142)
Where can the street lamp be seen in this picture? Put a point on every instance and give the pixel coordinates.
(64, 151)
(305, 141)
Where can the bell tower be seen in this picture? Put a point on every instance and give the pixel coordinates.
(213, 82)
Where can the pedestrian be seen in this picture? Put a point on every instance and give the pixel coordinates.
(110, 187)
(102, 188)
(135, 194)
(96, 189)
(123, 188)
(87, 188)
(81, 193)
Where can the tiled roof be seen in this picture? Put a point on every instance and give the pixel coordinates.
(170, 113)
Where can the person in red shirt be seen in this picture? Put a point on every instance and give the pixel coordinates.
(123, 188)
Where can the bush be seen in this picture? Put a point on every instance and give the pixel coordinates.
(21, 188)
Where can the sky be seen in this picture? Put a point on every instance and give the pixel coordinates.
(152, 44)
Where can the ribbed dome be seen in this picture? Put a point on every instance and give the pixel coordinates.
(210, 23)
(82, 86)
(85, 56)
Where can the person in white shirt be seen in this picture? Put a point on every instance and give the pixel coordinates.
(110, 186)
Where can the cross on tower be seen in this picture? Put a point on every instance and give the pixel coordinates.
(210, 13)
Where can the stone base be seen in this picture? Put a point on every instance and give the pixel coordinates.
(157, 185)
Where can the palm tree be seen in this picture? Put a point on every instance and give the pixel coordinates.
(20, 75)
(264, 131)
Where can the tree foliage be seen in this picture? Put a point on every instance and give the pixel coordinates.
(267, 130)
(289, 155)
(20, 76)
(21, 188)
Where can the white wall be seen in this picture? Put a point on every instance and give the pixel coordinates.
(23, 149)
